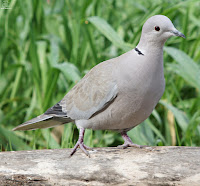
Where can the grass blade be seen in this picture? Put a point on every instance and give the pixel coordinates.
(109, 32)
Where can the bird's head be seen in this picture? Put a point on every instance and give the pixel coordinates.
(157, 29)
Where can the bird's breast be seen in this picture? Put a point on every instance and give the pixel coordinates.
(142, 87)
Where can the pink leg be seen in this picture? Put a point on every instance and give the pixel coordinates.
(128, 142)
(81, 144)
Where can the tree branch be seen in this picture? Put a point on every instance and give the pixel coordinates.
(161, 165)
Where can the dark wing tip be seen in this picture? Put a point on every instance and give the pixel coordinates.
(56, 110)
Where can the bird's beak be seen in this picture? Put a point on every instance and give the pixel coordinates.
(177, 33)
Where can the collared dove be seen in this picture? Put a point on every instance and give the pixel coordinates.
(117, 94)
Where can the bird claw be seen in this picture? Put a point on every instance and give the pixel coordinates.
(82, 147)
(86, 147)
(80, 144)
(126, 145)
(129, 143)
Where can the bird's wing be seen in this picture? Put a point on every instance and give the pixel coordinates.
(95, 91)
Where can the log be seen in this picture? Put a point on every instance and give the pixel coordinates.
(106, 166)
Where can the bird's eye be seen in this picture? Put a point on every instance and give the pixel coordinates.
(157, 28)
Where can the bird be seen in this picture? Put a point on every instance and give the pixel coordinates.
(117, 94)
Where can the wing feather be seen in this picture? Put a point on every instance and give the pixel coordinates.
(92, 94)
(95, 91)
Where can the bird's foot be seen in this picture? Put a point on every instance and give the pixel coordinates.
(129, 143)
(86, 147)
(80, 144)
(126, 145)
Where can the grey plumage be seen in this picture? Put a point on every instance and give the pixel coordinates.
(117, 94)
(43, 121)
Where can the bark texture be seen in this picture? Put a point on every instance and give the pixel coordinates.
(107, 166)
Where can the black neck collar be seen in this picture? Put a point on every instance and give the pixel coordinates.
(138, 51)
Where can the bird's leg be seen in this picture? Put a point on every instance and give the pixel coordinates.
(128, 142)
(80, 143)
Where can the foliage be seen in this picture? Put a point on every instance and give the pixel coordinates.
(46, 48)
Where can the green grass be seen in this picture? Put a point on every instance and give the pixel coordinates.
(45, 49)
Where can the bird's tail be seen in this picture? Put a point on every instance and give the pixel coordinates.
(42, 121)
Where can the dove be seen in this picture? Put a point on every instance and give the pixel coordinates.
(117, 94)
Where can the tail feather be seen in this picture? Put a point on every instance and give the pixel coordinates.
(42, 121)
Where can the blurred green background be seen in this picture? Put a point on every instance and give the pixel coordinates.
(47, 46)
